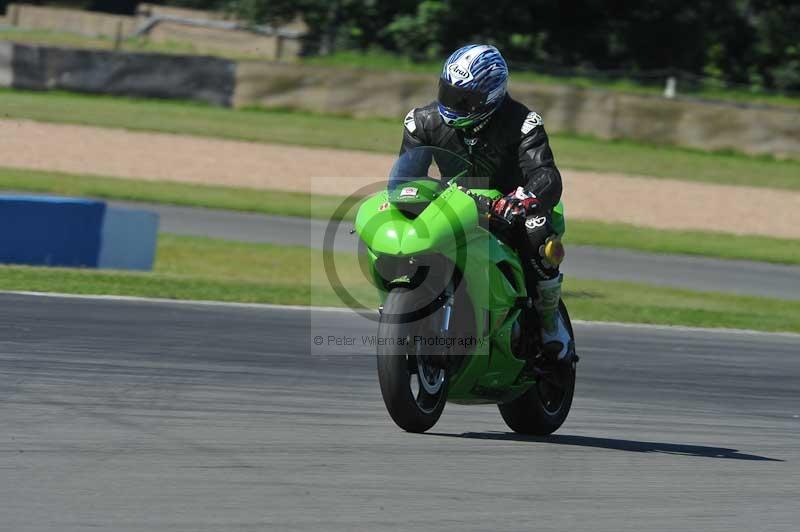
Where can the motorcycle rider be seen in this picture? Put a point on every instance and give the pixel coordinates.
(475, 117)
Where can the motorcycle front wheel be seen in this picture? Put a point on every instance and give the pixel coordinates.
(543, 409)
(413, 380)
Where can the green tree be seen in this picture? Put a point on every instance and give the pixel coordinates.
(777, 42)
(753, 42)
(419, 35)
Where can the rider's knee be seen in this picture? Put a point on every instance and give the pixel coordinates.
(545, 242)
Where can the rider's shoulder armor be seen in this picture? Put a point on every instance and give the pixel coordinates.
(428, 124)
(512, 122)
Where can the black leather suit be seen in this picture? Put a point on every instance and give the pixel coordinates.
(513, 150)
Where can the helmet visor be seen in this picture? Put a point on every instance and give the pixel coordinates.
(460, 99)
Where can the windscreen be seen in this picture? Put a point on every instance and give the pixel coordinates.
(427, 163)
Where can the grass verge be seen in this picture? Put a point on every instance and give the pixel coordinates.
(202, 269)
(233, 271)
(382, 135)
(273, 202)
(698, 243)
(269, 202)
(642, 303)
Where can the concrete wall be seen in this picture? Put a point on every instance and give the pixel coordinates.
(6, 70)
(604, 114)
(682, 121)
(206, 79)
(202, 39)
(331, 90)
(151, 10)
(210, 40)
(70, 20)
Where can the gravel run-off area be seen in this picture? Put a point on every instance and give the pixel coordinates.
(639, 200)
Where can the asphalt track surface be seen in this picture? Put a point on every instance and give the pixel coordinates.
(694, 273)
(122, 415)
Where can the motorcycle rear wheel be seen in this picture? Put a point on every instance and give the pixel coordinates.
(543, 409)
(413, 386)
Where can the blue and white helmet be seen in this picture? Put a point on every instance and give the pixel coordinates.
(472, 85)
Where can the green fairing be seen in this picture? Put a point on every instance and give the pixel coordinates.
(559, 221)
(418, 218)
(492, 372)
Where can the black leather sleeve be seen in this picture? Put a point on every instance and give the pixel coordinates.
(539, 168)
(413, 133)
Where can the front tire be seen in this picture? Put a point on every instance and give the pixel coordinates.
(413, 386)
(543, 409)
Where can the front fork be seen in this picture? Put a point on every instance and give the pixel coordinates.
(448, 300)
(447, 308)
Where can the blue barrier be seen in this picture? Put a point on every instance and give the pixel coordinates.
(129, 239)
(73, 232)
(50, 231)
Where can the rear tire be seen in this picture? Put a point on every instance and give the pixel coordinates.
(399, 365)
(543, 409)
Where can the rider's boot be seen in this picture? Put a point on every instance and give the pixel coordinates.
(556, 340)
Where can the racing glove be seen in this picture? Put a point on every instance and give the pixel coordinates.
(518, 204)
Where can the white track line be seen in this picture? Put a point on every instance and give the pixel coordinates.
(684, 328)
(269, 306)
(157, 300)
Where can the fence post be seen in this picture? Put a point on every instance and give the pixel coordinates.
(670, 87)
(118, 36)
(13, 15)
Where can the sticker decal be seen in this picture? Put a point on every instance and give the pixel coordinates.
(460, 72)
(535, 222)
(533, 120)
(411, 125)
(521, 193)
(409, 192)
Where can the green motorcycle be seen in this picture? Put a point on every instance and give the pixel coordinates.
(454, 322)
